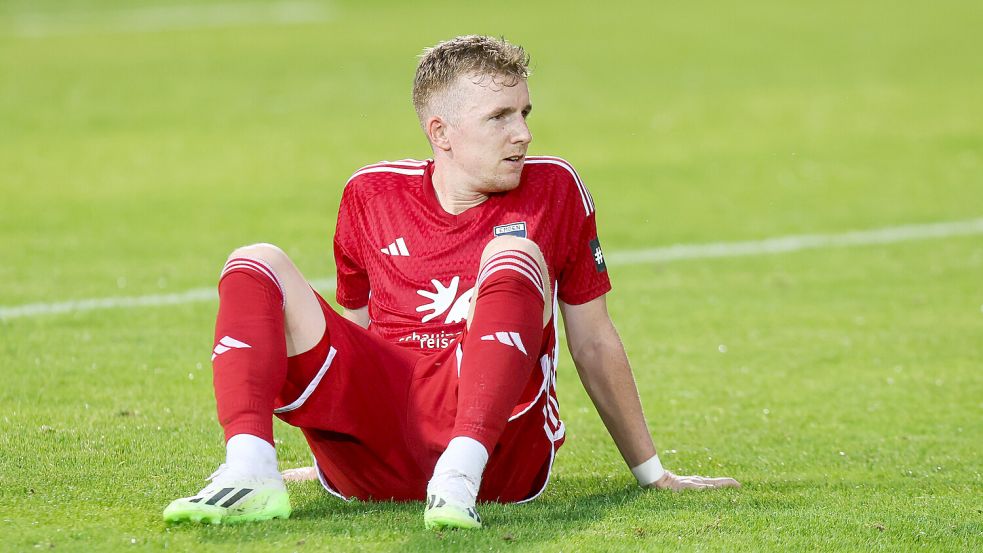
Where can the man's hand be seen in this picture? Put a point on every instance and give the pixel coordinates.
(670, 481)
(301, 474)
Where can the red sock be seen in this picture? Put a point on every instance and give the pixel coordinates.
(249, 362)
(501, 347)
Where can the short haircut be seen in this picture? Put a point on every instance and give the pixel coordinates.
(467, 55)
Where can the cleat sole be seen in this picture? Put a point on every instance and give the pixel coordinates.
(265, 507)
(441, 518)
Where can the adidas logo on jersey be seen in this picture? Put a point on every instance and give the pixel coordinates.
(397, 248)
(227, 343)
(508, 338)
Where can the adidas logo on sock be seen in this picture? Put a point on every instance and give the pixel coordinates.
(397, 248)
(227, 343)
(508, 338)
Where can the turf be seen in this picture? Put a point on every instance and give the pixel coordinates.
(840, 385)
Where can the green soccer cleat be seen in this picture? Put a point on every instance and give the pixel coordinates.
(440, 514)
(232, 497)
(450, 502)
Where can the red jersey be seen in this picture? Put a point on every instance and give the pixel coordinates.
(415, 265)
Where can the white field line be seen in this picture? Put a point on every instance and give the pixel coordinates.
(123, 302)
(168, 18)
(794, 243)
(781, 244)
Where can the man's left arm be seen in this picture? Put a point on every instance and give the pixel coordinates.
(604, 369)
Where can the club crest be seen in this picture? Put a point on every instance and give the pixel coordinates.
(511, 229)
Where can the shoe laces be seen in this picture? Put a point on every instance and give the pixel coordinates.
(226, 475)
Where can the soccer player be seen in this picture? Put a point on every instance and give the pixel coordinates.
(437, 381)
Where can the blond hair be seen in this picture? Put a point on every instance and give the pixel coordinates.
(467, 55)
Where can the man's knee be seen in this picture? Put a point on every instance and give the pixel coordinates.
(267, 253)
(504, 243)
(304, 317)
(501, 244)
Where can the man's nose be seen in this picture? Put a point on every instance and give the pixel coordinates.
(521, 133)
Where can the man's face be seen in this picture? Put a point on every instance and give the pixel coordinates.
(487, 131)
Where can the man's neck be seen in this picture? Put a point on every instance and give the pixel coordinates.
(453, 193)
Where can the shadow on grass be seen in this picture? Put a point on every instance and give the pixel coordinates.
(596, 508)
(321, 518)
(570, 506)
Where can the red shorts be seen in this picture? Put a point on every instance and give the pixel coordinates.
(377, 416)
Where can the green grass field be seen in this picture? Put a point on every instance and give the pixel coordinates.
(841, 385)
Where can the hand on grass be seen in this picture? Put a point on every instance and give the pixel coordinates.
(301, 474)
(670, 481)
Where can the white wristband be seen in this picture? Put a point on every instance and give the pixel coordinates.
(649, 471)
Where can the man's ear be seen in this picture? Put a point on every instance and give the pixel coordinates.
(436, 128)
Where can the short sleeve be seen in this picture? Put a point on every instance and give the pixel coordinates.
(584, 275)
(353, 280)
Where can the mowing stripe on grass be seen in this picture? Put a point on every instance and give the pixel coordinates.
(781, 244)
(148, 19)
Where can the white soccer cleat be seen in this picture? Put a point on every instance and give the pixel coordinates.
(451, 502)
(232, 496)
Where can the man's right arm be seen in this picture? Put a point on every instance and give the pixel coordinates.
(358, 316)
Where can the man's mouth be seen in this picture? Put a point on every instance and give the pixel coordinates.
(515, 159)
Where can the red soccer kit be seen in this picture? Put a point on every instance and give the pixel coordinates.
(378, 406)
